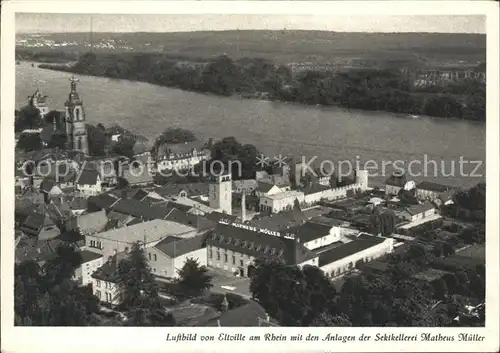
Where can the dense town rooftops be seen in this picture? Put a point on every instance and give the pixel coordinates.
(174, 246)
(363, 242)
(429, 186)
(259, 243)
(102, 201)
(191, 189)
(331, 222)
(310, 231)
(417, 209)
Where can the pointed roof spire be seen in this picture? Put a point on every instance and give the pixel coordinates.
(225, 304)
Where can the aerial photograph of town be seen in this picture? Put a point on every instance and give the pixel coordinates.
(250, 170)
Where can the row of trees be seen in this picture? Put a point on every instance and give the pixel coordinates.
(305, 296)
(369, 89)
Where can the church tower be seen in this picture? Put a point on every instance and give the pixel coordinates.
(221, 193)
(75, 121)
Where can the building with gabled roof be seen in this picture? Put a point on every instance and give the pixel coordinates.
(88, 182)
(420, 211)
(344, 258)
(168, 256)
(148, 233)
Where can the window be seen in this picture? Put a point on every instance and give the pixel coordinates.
(234, 259)
(225, 257)
(241, 262)
(98, 283)
(98, 294)
(156, 258)
(77, 111)
(210, 253)
(218, 255)
(149, 254)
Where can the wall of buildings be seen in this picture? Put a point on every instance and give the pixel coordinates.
(165, 266)
(181, 163)
(109, 247)
(83, 274)
(341, 266)
(107, 292)
(90, 190)
(427, 195)
(223, 259)
(418, 216)
(331, 238)
(392, 190)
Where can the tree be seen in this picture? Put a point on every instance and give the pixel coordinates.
(29, 142)
(281, 290)
(28, 117)
(139, 290)
(194, 279)
(325, 319)
(125, 146)
(97, 141)
(440, 289)
(50, 297)
(238, 159)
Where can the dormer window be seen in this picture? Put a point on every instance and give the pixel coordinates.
(280, 253)
(214, 236)
(236, 242)
(273, 251)
(266, 249)
(228, 240)
(259, 247)
(244, 244)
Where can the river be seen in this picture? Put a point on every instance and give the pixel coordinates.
(274, 127)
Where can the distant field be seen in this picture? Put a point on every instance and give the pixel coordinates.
(315, 47)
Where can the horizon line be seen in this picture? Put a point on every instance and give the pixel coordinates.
(249, 30)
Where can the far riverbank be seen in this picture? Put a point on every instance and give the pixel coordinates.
(365, 89)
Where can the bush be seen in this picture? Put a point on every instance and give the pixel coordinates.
(215, 300)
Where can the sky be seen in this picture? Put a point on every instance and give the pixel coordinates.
(44, 23)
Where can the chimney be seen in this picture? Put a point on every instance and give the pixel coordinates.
(243, 207)
(268, 317)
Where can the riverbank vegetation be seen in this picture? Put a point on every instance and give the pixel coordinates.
(369, 89)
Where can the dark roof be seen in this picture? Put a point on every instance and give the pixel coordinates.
(264, 187)
(326, 221)
(174, 246)
(257, 244)
(78, 203)
(140, 209)
(88, 177)
(314, 188)
(192, 220)
(280, 221)
(108, 271)
(427, 185)
(135, 221)
(33, 223)
(218, 216)
(361, 243)
(247, 315)
(310, 231)
(47, 184)
(103, 201)
(89, 256)
(191, 189)
(417, 209)
(40, 251)
(140, 194)
(179, 206)
(396, 180)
